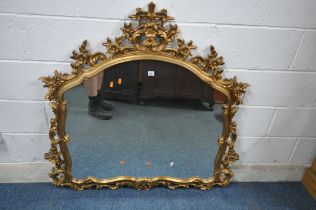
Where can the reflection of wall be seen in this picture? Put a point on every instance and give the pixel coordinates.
(270, 44)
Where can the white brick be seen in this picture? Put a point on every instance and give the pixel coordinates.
(25, 172)
(218, 11)
(49, 112)
(50, 39)
(305, 151)
(27, 147)
(215, 11)
(21, 80)
(277, 88)
(253, 121)
(6, 152)
(251, 48)
(18, 116)
(268, 172)
(264, 150)
(291, 13)
(305, 59)
(294, 122)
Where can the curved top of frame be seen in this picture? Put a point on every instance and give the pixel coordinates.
(134, 56)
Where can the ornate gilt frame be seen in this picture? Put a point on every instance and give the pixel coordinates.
(149, 39)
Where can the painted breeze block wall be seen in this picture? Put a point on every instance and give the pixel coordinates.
(270, 44)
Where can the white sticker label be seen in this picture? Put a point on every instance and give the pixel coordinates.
(151, 73)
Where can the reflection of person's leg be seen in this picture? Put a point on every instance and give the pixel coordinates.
(91, 86)
(94, 107)
(104, 105)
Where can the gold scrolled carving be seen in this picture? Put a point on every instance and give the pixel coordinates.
(53, 83)
(84, 58)
(54, 155)
(149, 38)
(211, 63)
(184, 49)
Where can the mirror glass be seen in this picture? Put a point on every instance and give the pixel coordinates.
(165, 122)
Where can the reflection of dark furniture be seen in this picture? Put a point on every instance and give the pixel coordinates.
(143, 80)
(120, 82)
(171, 80)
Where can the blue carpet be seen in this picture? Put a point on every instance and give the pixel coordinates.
(270, 196)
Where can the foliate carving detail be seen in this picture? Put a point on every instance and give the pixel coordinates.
(184, 49)
(53, 83)
(116, 48)
(54, 155)
(237, 89)
(211, 63)
(84, 58)
(142, 183)
(150, 34)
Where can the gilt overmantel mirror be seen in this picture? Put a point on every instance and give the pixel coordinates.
(170, 122)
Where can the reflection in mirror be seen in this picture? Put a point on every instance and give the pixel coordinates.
(165, 122)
